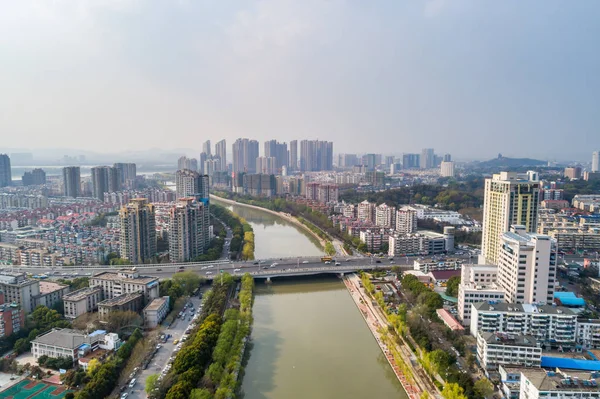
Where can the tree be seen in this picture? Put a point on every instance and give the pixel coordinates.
(188, 281)
(453, 391)
(483, 387)
(329, 248)
(118, 320)
(70, 395)
(22, 345)
(151, 382)
(452, 286)
(201, 394)
(93, 366)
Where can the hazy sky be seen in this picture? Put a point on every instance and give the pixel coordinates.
(472, 78)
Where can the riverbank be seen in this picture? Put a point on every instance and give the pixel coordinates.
(399, 358)
(285, 216)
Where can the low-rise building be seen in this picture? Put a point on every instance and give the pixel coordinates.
(536, 384)
(422, 243)
(12, 317)
(450, 321)
(496, 349)
(19, 289)
(427, 265)
(131, 302)
(125, 281)
(50, 293)
(470, 293)
(374, 239)
(65, 342)
(156, 311)
(82, 301)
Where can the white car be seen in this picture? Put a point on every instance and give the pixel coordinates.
(274, 264)
(304, 261)
(208, 272)
(210, 266)
(203, 268)
(237, 270)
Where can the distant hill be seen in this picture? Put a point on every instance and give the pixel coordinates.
(504, 162)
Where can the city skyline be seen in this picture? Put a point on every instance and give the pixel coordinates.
(283, 70)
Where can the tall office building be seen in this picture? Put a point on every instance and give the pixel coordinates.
(447, 169)
(186, 230)
(427, 158)
(187, 163)
(221, 152)
(279, 151)
(5, 171)
(316, 155)
(527, 266)
(510, 199)
(596, 161)
(245, 152)
(411, 161)
(206, 148)
(189, 183)
(127, 173)
(34, 178)
(104, 180)
(138, 231)
(72, 181)
(293, 162)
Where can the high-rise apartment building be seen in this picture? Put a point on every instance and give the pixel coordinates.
(72, 181)
(203, 158)
(186, 230)
(266, 165)
(527, 266)
(189, 183)
(127, 173)
(385, 216)
(316, 155)
(411, 161)
(138, 231)
(279, 151)
(427, 158)
(406, 220)
(447, 169)
(211, 166)
(572, 173)
(206, 148)
(596, 161)
(34, 178)
(370, 161)
(187, 163)
(447, 158)
(5, 171)
(510, 199)
(221, 152)
(366, 211)
(293, 162)
(104, 180)
(245, 152)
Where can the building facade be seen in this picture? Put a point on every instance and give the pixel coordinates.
(138, 231)
(125, 282)
(447, 169)
(406, 221)
(72, 181)
(245, 152)
(156, 311)
(82, 301)
(500, 349)
(19, 289)
(186, 230)
(5, 171)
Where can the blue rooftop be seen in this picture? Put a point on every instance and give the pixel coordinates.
(569, 299)
(97, 332)
(572, 364)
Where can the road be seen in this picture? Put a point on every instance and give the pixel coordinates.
(161, 359)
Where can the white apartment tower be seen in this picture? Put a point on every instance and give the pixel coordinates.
(385, 216)
(406, 220)
(447, 169)
(138, 231)
(596, 161)
(186, 230)
(366, 211)
(510, 199)
(527, 266)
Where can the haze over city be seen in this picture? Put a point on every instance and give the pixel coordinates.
(114, 76)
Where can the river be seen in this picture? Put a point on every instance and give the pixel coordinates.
(309, 339)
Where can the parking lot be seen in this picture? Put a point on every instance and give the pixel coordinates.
(161, 358)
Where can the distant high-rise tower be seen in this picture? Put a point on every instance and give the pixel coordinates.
(266, 165)
(279, 151)
(138, 231)
(187, 163)
(72, 181)
(221, 152)
(596, 161)
(447, 158)
(293, 162)
(189, 183)
(427, 158)
(5, 171)
(316, 155)
(186, 230)
(203, 158)
(104, 180)
(411, 161)
(34, 178)
(127, 174)
(447, 169)
(245, 152)
(206, 148)
(510, 199)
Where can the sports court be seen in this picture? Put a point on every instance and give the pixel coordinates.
(27, 389)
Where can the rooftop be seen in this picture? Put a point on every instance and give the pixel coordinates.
(121, 299)
(509, 339)
(562, 381)
(64, 338)
(522, 308)
(156, 303)
(81, 293)
(129, 276)
(47, 287)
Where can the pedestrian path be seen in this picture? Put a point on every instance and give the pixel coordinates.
(375, 324)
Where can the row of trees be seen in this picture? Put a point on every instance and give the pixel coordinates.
(56, 363)
(243, 235)
(41, 320)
